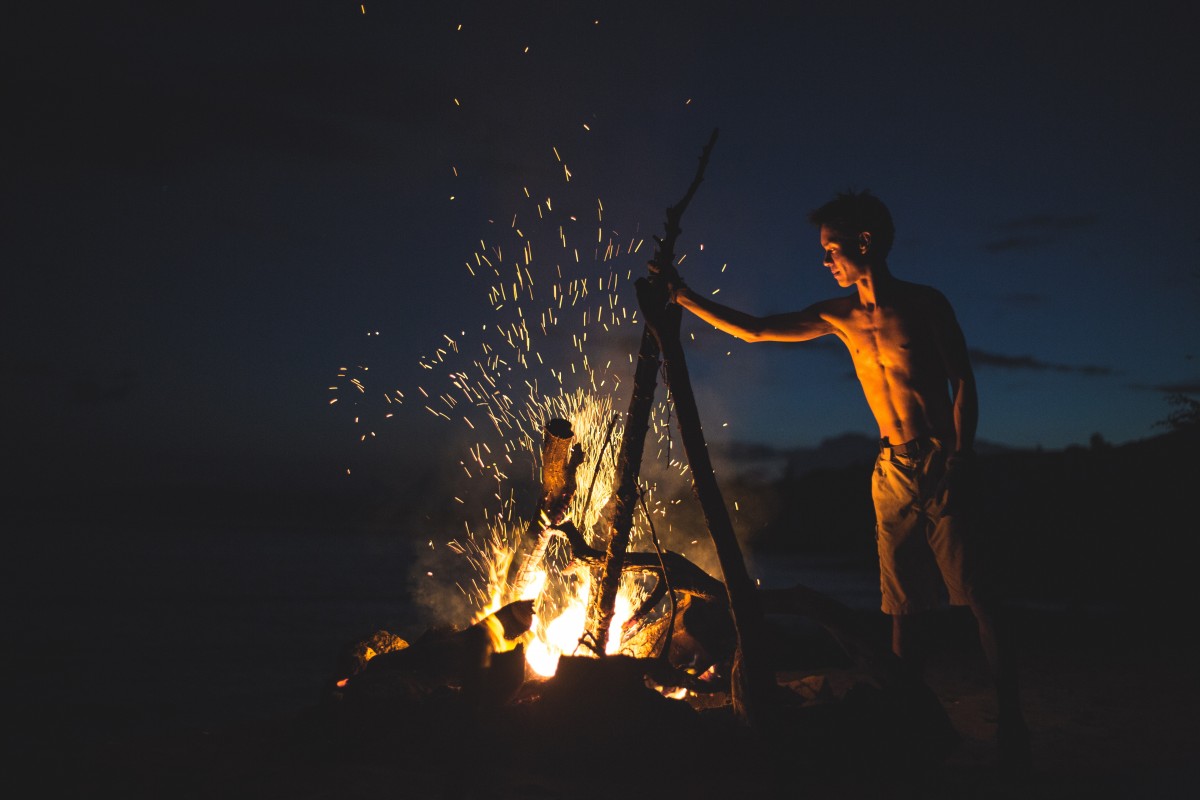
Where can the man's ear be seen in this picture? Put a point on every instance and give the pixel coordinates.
(864, 242)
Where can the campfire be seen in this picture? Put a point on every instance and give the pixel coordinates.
(581, 558)
(579, 605)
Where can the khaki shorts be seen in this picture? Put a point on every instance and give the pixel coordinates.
(921, 550)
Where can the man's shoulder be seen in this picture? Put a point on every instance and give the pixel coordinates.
(837, 306)
(915, 289)
(923, 294)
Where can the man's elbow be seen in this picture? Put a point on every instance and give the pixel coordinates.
(750, 334)
(963, 386)
(746, 331)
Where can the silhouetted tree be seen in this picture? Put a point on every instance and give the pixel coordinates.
(1184, 417)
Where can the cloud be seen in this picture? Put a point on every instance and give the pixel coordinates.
(1036, 230)
(1052, 222)
(737, 450)
(1187, 387)
(984, 358)
(1017, 243)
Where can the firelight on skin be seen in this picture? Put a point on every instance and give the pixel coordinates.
(902, 384)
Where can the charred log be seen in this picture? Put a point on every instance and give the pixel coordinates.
(355, 657)
(486, 661)
(560, 462)
(685, 577)
(700, 644)
(456, 652)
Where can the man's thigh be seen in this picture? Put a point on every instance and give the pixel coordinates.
(908, 574)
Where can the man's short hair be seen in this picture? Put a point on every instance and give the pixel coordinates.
(851, 213)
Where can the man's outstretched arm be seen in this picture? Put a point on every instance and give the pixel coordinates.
(797, 326)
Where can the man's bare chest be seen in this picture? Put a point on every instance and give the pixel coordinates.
(886, 339)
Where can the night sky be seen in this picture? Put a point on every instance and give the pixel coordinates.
(210, 213)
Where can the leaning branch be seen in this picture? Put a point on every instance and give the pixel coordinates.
(637, 425)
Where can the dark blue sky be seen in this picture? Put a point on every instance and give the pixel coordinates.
(208, 213)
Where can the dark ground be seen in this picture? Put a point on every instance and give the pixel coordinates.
(1111, 701)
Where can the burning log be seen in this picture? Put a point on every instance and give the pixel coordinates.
(560, 462)
(451, 655)
(355, 658)
(485, 661)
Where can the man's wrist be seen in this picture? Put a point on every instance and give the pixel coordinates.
(960, 458)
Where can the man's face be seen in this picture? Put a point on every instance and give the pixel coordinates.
(842, 257)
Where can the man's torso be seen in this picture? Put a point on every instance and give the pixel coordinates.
(898, 361)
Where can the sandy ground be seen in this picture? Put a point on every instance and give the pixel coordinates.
(1112, 706)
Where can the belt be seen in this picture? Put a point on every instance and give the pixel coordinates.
(915, 448)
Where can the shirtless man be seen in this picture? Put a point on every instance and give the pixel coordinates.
(911, 359)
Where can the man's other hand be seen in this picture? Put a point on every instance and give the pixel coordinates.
(955, 491)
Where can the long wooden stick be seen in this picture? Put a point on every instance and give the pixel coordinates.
(753, 680)
(637, 424)
(620, 509)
